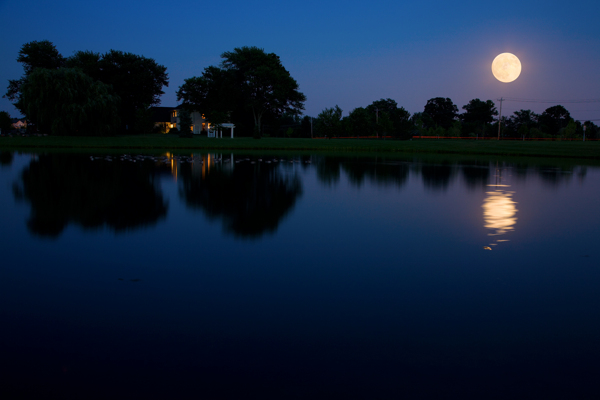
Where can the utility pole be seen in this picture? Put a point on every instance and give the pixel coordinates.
(584, 126)
(311, 136)
(500, 117)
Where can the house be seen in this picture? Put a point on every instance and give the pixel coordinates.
(19, 124)
(166, 118)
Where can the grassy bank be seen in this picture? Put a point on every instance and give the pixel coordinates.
(575, 150)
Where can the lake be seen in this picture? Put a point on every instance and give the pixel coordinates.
(220, 276)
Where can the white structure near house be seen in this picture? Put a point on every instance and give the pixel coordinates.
(199, 124)
(218, 132)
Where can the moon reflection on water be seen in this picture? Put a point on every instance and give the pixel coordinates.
(499, 212)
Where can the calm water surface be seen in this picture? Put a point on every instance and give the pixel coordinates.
(214, 277)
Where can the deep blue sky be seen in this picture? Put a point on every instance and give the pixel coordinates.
(348, 53)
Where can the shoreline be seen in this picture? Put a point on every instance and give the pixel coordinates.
(589, 150)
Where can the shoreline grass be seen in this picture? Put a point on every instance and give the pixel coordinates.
(555, 149)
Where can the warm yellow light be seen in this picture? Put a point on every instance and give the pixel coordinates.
(499, 212)
(506, 67)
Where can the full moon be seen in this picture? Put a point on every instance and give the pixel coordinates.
(506, 67)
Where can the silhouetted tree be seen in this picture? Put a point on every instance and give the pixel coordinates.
(478, 115)
(248, 80)
(442, 112)
(553, 119)
(359, 122)
(137, 80)
(393, 120)
(329, 122)
(68, 102)
(36, 54)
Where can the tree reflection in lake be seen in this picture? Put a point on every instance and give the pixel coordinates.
(377, 170)
(554, 176)
(69, 188)
(437, 176)
(250, 196)
(6, 158)
(475, 174)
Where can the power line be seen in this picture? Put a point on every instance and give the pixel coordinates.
(551, 101)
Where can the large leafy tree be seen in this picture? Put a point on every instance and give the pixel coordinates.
(442, 112)
(136, 79)
(553, 119)
(478, 115)
(36, 54)
(67, 102)
(212, 93)
(248, 80)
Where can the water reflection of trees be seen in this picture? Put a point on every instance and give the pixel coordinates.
(475, 174)
(436, 176)
(68, 188)
(6, 158)
(251, 199)
(553, 176)
(358, 170)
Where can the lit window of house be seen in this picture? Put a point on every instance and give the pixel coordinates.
(174, 114)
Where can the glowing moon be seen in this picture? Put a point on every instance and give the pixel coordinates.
(506, 67)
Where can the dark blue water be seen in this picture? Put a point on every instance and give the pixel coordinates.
(326, 277)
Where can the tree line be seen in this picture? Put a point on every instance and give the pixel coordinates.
(102, 94)
(441, 118)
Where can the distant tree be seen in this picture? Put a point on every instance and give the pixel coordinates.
(329, 122)
(478, 115)
(360, 122)
(306, 126)
(420, 121)
(455, 130)
(247, 81)
(521, 123)
(570, 130)
(137, 80)
(68, 102)
(592, 131)
(5, 122)
(553, 119)
(36, 54)
(389, 119)
(442, 111)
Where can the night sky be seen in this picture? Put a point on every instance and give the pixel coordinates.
(347, 53)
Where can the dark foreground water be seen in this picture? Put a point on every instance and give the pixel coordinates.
(353, 278)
